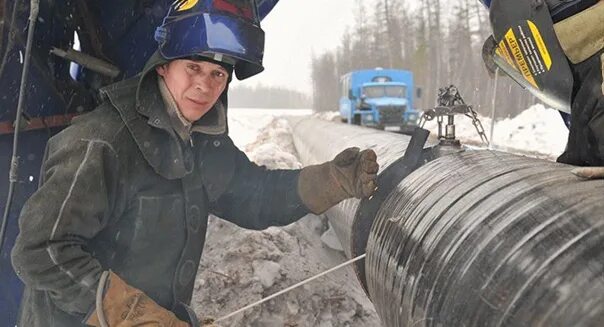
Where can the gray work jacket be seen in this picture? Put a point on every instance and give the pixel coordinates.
(121, 191)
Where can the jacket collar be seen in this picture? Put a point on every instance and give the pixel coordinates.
(149, 126)
(180, 124)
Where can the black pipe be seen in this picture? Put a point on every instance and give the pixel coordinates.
(489, 239)
(476, 238)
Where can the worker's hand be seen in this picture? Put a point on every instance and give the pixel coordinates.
(355, 171)
(352, 173)
(124, 305)
(589, 172)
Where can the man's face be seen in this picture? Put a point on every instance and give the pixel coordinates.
(194, 85)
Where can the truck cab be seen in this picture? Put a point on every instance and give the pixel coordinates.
(380, 98)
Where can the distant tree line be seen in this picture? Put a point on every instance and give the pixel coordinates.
(267, 97)
(439, 41)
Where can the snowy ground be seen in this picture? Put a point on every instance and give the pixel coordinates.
(240, 267)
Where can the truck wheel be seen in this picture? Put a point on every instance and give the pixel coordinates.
(356, 120)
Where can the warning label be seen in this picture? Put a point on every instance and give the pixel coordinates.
(524, 49)
(518, 53)
(547, 59)
(503, 52)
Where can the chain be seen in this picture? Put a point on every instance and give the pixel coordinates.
(478, 125)
(451, 103)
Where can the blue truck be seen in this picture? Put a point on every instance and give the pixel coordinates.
(380, 98)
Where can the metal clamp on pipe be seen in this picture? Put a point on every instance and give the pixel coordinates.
(450, 103)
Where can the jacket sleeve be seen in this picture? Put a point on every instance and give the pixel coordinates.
(257, 198)
(70, 207)
(585, 145)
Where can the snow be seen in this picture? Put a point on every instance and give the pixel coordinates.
(274, 146)
(246, 123)
(328, 115)
(536, 129)
(330, 239)
(266, 271)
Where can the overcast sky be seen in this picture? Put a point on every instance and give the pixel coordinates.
(295, 30)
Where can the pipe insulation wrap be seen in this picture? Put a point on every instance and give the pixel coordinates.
(485, 238)
(475, 238)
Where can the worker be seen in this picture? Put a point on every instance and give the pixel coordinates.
(115, 232)
(555, 49)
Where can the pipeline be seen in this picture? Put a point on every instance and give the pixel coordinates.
(470, 238)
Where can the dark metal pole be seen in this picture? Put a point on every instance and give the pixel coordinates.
(13, 173)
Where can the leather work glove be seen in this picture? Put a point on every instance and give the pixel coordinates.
(589, 172)
(352, 173)
(125, 306)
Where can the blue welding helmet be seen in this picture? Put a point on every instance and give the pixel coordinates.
(223, 30)
(524, 45)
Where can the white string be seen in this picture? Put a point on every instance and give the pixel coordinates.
(291, 287)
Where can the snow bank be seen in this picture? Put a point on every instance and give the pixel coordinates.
(328, 115)
(536, 129)
(274, 146)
